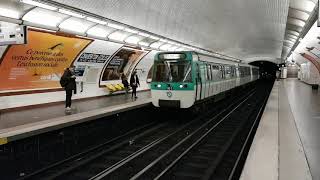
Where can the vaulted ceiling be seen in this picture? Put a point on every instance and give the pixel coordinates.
(245, 29)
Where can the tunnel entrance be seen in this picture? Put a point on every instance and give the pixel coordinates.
(267, 69)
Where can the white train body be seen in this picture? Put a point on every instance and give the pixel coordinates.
(182, 79)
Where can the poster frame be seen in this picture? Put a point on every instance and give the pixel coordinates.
(42, 90)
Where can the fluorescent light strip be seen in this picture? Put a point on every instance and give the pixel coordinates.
(75, 25)
(143, 43)
(48, 18)
(71, 13)
(116, 26)
(144, 34)
(96, 20)
(118, 36)
(163, 40)
(132, 40)
(34, 3)
(165, 47)
(98, 32)
(156, 45)
(154, 37)
(9, 13)
(130, 30)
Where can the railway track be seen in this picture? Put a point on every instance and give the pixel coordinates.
(197, 149)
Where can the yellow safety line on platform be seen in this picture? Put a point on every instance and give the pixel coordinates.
(3, 141)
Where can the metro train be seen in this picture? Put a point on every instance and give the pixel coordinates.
(183, 79)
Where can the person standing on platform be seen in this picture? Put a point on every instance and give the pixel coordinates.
(134, 83)
(68, 81)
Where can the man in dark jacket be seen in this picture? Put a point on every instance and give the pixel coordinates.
(70, 85)
(134, 83)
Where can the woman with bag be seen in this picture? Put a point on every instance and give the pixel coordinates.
(68, 82)
(134, 83)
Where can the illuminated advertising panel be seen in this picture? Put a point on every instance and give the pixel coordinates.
(40, 63)
(123, 62)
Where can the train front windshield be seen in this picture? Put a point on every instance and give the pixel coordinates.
(172, 71)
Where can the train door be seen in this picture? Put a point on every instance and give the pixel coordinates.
(203, 80)
(238, 76)
(222, 82)
(234, 76)
(198, 82)
(209, 80)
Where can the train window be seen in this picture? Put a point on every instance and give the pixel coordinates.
(172, 71)
(228, 72)
(208, 72)
(244, 71)
(198, 73)
(216, 73)
(255, 71)
(233, 70)
(222, 72)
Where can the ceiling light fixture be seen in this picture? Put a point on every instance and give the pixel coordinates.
(9, 13)
(116, 26)
(96, 20)
(71, 13)
(118, 36)
(98, 32)
(156, 45)
(35, 3)
(132, 40)
(75, 25)
(48, 18)
(130, 30)
(154, 37)
(143, 43)
(144, 34)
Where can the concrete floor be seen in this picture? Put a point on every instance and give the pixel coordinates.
(45, 112)
(286, 145)
(305, 107)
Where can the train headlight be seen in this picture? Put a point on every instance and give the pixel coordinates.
(183, 85)
(159, 85)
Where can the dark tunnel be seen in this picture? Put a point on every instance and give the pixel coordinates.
(267, 69)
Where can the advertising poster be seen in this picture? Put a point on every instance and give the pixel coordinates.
(312, 60)
(40, 63)
(150, 73)
(123, 62)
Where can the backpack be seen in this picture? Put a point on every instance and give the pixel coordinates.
(63, 81)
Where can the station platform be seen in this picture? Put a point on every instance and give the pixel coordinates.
(286, 144)
(21, 123)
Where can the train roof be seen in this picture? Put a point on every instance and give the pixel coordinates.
(207, 58)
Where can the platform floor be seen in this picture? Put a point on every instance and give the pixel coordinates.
(37, 114)
(286, 145)
(305, 107)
